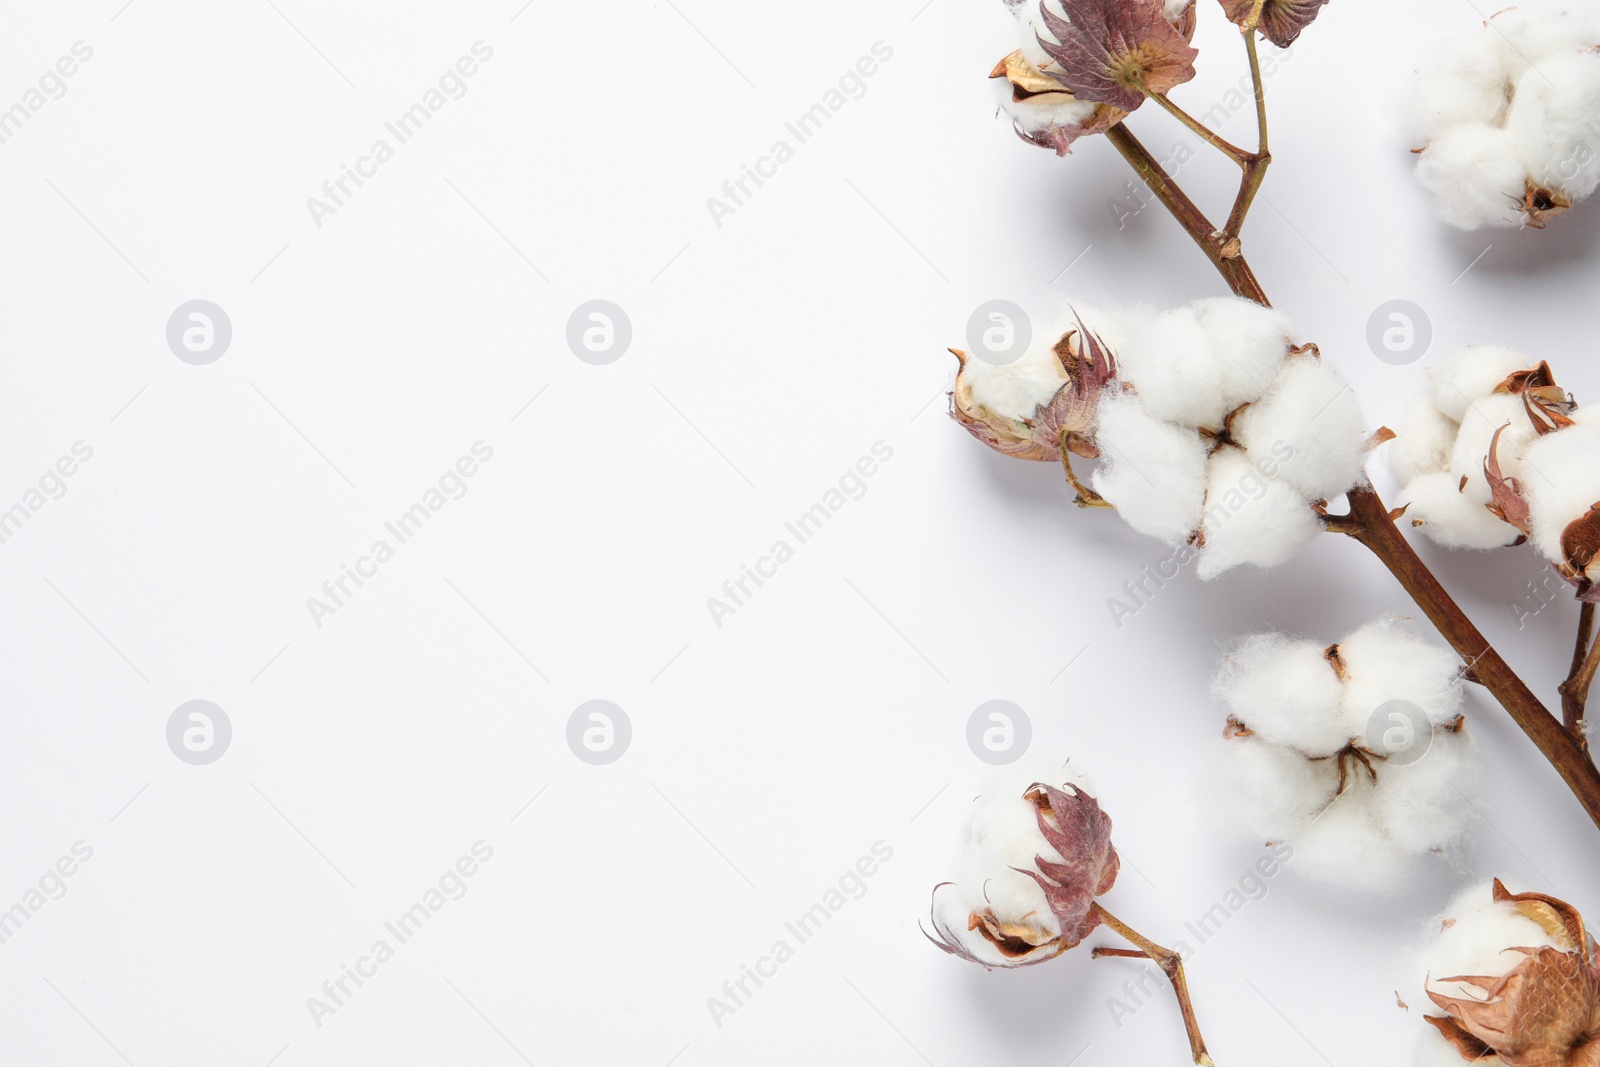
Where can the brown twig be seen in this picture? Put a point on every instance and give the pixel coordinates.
(1575, 690)
(1377, 531)
(1171, 965)
(1213, 242)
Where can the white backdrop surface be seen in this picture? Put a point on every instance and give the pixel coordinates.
(422, 721)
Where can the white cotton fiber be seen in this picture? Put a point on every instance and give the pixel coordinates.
(1471, 373)
(1153, 472)
(1475, 176)
(1250, 518)
(1384, 661)
(1460, 80)
(1474, 933)
(1307, 431)
(1002, 834)
(1285, 691)
(1561, 478)
(1346, 844)
(1482, 420)
(1450, 518)
(1170, 362)
(1248, 344)
(1555, 123)
(1016, 390)
(1030, 27)
(1424, 441)
(1429, 803)
(1530, 33)
(1275, 791)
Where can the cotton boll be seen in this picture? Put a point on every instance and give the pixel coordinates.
(1250, 518)
(1482, 420)
(1153, 472)
(1460, 80)
(1561, 479)
(1424, 442)
(1471, 373)
(1450, 518)
(1528, 34)
(1170, 362)
(1286, 692)
(1474, 933)
(1248, 345)
(1427, 804)
(1384, 662)
(1276, 791)
(1017, 389)
(1475, 176)
(1310, 427)
(1555, 122)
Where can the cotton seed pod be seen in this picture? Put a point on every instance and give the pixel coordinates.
(1533, 999)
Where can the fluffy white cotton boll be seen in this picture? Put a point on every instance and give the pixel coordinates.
(1383, 661)
(1287, 693)
(1153, 472)
(1427, 804)
(1475, 176)
(1017, 389)
(1002, 834)
(1471, 373)
(1346, 844)
(1424, 442)
(1250, 518)
(1561, 478)
(1459, 80)
(1275, 791)
(1248, 345)
(1478, 426)
(1449, 517)
(1528, 34)
(1555, 122)
(1170, 362)
(1473, 935)
(1309, 425)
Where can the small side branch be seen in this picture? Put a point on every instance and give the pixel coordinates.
(1171, 965)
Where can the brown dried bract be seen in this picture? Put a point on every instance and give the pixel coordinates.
(1280, 21)
(1117, 51)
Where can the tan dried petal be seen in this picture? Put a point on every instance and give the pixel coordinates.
(1544, 1013)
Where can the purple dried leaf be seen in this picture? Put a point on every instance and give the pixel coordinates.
(1281, 20)
(1116, 51)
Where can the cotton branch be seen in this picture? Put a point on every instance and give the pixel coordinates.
(1171, 965)
(1575, 690)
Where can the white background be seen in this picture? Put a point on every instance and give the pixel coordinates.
(769, 354)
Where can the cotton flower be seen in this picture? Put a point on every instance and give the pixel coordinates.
(1498, 453)
(1354, 754)
(1084, 64)
(1515, 977)
(1212, 429)
(1035, 852)
(1506, 117)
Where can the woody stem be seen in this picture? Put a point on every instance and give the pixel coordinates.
(1377, 530)
(1575, 690)
(1171, 965)
(1234, 270)
(1371, 523)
